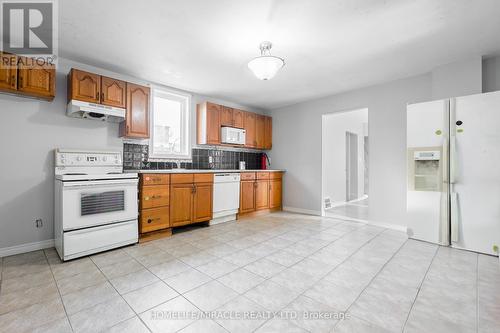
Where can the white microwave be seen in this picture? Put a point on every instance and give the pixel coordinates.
(231, 135)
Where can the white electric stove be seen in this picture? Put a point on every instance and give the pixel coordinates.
(95, 203)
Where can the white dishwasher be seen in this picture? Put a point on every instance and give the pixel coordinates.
(226, 197)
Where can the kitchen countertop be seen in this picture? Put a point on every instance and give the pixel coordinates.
(199, 171)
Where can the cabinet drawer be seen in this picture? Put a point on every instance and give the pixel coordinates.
(181, 178)
(275, 175)
(155, 179)
(247, 176)
(154, 219)
(203, 177)
(262, 175)
(154, 196)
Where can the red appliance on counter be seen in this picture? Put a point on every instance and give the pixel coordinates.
(264, 161)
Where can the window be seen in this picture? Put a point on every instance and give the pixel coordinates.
(170, 137)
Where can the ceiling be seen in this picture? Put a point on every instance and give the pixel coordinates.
(329, 46)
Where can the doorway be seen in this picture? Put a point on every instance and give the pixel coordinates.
(345, 167)
(351, 166)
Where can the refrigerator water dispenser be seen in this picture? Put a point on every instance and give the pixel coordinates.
(425, 169)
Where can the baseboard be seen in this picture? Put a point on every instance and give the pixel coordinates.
(370, 222)
(302, 211)
(28, 247)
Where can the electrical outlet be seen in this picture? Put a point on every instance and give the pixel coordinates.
(38, 223)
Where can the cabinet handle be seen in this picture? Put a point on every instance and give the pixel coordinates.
(13, 84)
(146, 198)
(152, 220)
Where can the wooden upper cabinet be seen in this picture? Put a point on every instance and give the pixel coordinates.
(226, 116)
(275, 190)
(268, 133)
(113, 92)
(249, 124)
(261, 194)
(238, 120)
(247, 196)
(136, 124)
(84, 86)
(209, 123)
(202, 202)
(211, 117)
(36, 79)
(259, 130)
(8, 72)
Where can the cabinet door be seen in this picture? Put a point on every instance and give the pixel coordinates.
(8, 72)
(213, 124)
(84, 86)
(181, 204)
(226, 116)
(268, 133)
(36, 79)
(202, 206)
(238, 120)
(247, 196)
(275, 190)
(249, 122)
(262, 194)
(113, 92)
(259, 130)
(137, 116)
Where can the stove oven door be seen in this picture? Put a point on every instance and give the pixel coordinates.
(98, 202)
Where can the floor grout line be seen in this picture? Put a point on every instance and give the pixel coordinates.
(420, 286)
(58, 291)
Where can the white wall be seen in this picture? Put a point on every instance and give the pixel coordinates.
(457, 79)
(297, 145)
(29, 131)
(491, 74)
(334, 130)
(297, 134)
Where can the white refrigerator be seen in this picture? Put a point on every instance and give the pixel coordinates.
(453, 195)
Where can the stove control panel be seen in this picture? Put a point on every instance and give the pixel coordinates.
(68, 158)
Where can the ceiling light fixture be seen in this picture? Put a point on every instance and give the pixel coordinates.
(266, 66)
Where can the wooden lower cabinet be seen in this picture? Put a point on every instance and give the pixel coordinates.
(260, 191)
(275, 193)
(154, 204)
(181, 203)
(191, 199)
(202, 203)
(247, 196)
(261, 194)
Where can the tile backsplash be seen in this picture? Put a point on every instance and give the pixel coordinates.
(136, 157)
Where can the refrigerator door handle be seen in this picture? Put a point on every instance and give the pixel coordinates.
(454, 216)
(453, 159)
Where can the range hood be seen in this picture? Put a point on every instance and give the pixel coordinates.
(86, 110)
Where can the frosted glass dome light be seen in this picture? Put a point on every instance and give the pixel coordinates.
(266, 66)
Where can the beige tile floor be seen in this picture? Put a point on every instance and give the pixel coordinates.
(317, 274)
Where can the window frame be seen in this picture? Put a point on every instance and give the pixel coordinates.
(185, 100)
